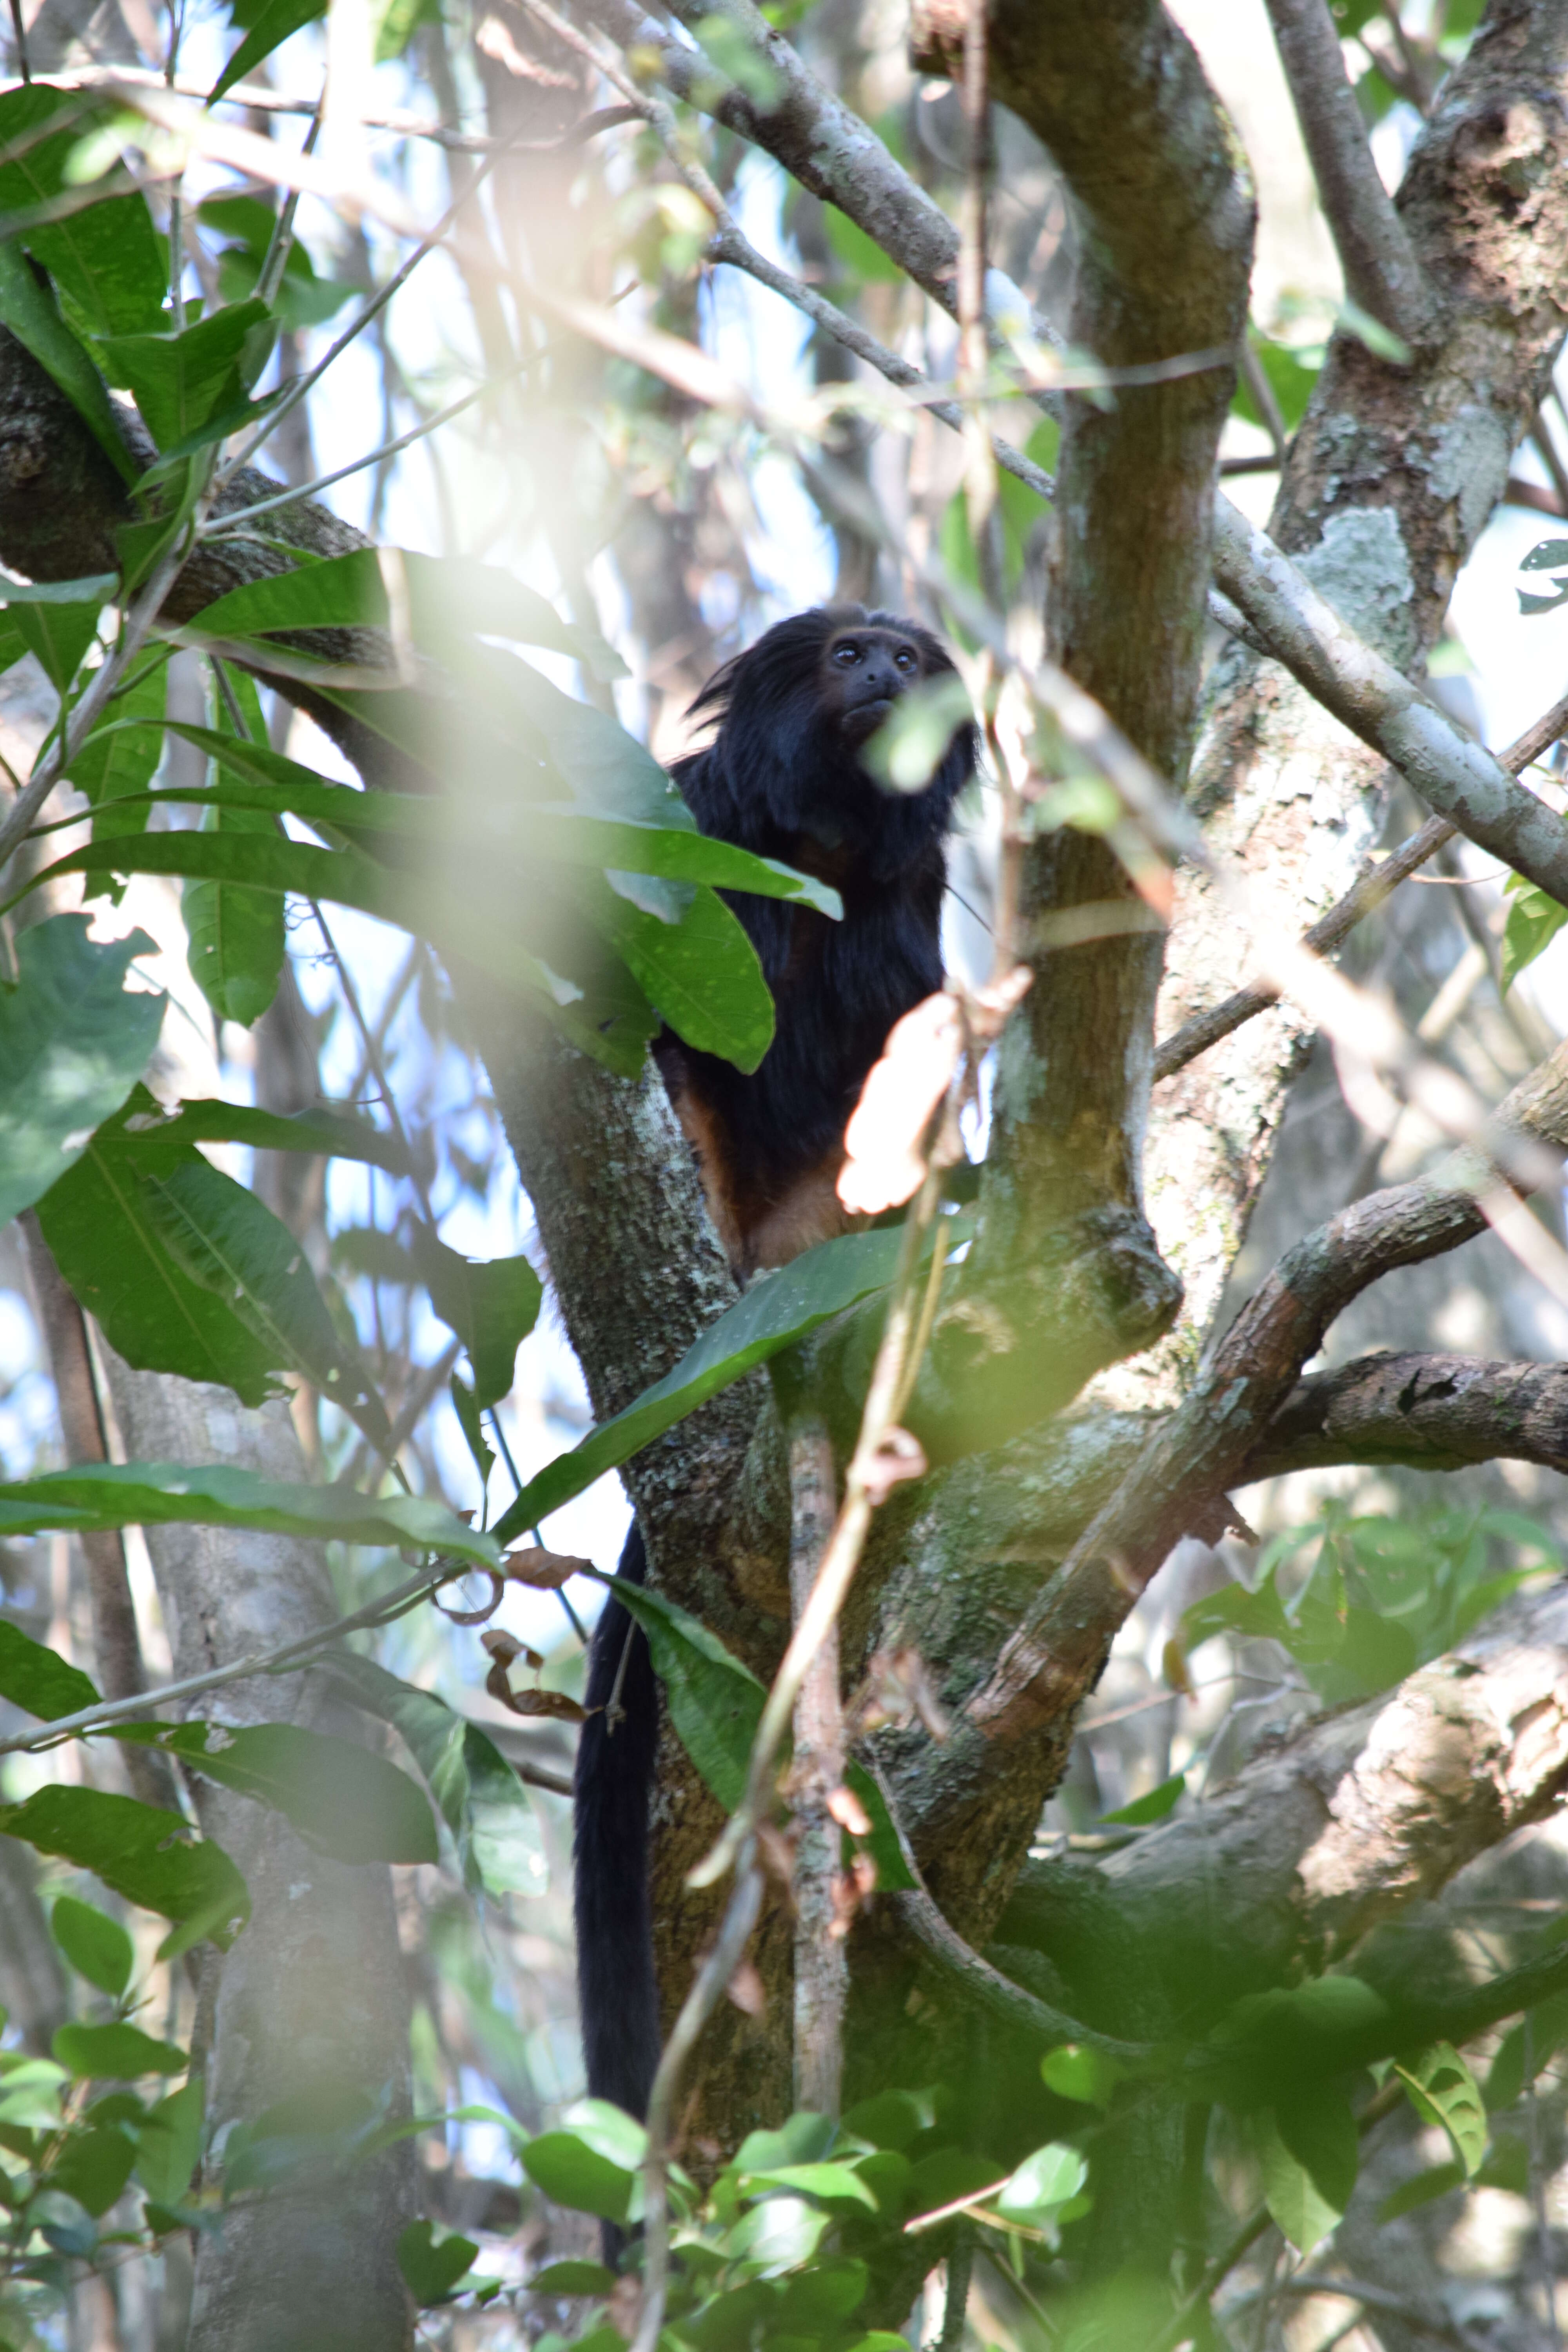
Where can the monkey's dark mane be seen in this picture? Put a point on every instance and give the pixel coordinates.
(780, 778)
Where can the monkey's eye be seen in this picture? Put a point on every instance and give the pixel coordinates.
(846, 655)
(904, 659)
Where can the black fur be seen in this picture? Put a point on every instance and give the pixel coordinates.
(781, 776)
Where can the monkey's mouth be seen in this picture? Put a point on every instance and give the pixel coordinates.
(863, 721)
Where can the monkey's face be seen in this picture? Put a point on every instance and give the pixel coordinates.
(864, 671)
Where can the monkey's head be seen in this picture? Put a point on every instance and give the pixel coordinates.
(795, 712)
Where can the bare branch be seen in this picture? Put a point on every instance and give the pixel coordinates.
(1424, 1412)
(1380, 270)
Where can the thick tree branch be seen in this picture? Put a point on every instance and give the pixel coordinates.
(1380, 271)
(1017, 1723)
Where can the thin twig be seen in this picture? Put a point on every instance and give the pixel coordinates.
(1367, 893)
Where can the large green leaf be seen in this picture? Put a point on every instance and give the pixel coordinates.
(272, 27)
(117, 761)
(1303, 2211)
(229, 1241)
(344, 1800)
(56, 632)
(261, 779)
(482, 1802)
(106, 258)
(116, 2052)
(237, 936)
(28, 310)
(182, 381)
(774, 1314)
(168, 2142)
(39, 1681)
(1443, 2090)
(144, 1855)
(703, 973)
(165, 1493)
(97, 1946)
(715, 1704)
(492, 1304)
(336, 1134)
(73, 1042)
(106, 1227)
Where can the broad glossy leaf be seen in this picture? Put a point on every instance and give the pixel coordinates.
(482, 1802)
(57, 632)
(1533, 922)
(38, 1680)
(97, 1946)
(144, 1855)
(447, 591)
(1075, 2070)
(180, 382)
(1304, 2214)
(169, 2141)
(73, 1042)
(236, 939)
(119, 2053)
(230, 1243)
(1443, 2090)
(574, 2174)
(492, 1304)
(1154, 1807)
(432, 2265)
(1422, 2189)
(344, 1800)
(604, 768)
(271, 29)
(163, 1494)
(107, 257)
(703, 973)
(1050, 2177)
(343, 592)
(835, 2184)
(774, 1314)
(94, 2167)
(1318, 2129)
(33, 319)
(338, 1134)
(115, 761)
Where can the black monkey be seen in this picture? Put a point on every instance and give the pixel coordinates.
(781, 776)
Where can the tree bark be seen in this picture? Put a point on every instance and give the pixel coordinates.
(310, 2005)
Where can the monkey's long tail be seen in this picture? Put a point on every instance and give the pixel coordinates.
(617, 1989)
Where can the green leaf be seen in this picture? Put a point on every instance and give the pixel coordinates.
(1443, 2090)
(834, 2184)
(1073, 2071)
(1533, 922)
(1318, 2129)
(337, 1134)
(33, 319)
(1421, 2190)
(1303, 2213)
(1154, 1807)
(230, 1243)
(703, 973)
(169, 2141)
(97, 1946)
(715, 1702)
(775, 1312)
(482, 1802)
(468, 1412)
(104, 1225)
(1257, 1615)
(912, 742)
(1546, 555)
(236, 937)
(1290, 375)
(38, 1680)
(94, 2167)
(117, 2052)
(106, 258)
(115, 762)
(572, 2278)
(343, 1800)
(166, 1494)
(1051, 2178)
(428, 904)
(492, 1304)
(57, 632)
(272, 27)
(606, 768)
(73, 1041)
(345, 592)
(180, 382)
(455, 592)
(265, 781)
(146, 1855)
(574, 2174)
(431, 2265)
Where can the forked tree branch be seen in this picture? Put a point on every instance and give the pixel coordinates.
(1380, 270)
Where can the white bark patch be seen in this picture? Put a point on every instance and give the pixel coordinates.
(1360, 564)
(1469, 463)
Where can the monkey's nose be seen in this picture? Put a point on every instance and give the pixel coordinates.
(879, 680)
